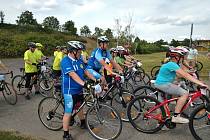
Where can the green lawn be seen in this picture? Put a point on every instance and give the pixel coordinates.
(12, 135)
(151, 60)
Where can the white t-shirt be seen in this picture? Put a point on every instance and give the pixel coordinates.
(192, 54)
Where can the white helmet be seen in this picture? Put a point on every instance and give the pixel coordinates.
(120, 48)
(103, 39)
(75, 45)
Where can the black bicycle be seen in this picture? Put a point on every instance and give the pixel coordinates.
(9, 93)
(103, 121)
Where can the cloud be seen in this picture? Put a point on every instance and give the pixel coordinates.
(179, 21)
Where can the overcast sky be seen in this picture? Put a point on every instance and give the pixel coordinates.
(152, 19)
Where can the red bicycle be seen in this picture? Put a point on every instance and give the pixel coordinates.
(148, 115)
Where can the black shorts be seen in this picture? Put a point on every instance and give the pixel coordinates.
(28, 77)
(78, 99)
(56, 74)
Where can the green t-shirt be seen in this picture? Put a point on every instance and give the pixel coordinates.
(57, 61)
(119, 60)
(38, 54)
(28, 55)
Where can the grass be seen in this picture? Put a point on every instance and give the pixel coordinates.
(14, 135)
(151, 60)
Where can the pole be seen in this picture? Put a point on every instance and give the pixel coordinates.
(191, 35)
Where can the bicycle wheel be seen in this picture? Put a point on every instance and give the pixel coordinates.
(121, 106)
(103, 122)
(200, 128)
(50, 111)
(9, 93)
(142, 120)
(199, 66)
(18, 82)
(128, 86)
(46, 83)
(154, 71)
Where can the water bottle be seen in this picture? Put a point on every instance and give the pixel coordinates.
(98, 89)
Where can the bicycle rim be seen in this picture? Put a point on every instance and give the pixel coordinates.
(103, 122)
(200, 128)
(142, 120)
(50, 113)
(18, 82)
(46, 84)
(9, 93)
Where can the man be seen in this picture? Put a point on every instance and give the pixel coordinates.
(192, 56)
(57, 61)
(73, 70)
(58, 49)
(38, 52)
(121, 58)
(30, 68)
(98, 57)
(166, 77)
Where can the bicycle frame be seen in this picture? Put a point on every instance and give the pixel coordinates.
(191, 98)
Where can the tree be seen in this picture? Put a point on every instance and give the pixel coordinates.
(186, 42)
(98, 31)
(51, 22)
(174, 43)
(85, 31)
(108, 33)
(118, 28)
(2, 16)
(160, 42)
(26, 18)
(70, 28)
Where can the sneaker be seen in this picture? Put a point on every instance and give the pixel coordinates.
(27, 97)
(68, 137)
(179, 119)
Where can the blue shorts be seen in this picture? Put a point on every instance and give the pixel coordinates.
(68, 103)
(94, 73)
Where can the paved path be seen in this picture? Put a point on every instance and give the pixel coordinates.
(23, 117)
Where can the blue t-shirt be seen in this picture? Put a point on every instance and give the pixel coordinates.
(167, 73)
(96, 56)
(69, 86)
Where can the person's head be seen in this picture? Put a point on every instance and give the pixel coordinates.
(120, 50)
(39, 46)
(64, 49)
(58, 48)
(177, 54)
(113, 52)
(75, 48)
(103, 42)
(31, 46)
(127, 45)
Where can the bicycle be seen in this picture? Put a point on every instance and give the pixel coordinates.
(98, 116)
(199, 121)
(44, 81)
(9, 93)
(156, 113)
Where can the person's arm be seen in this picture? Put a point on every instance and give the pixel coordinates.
(116, 66)
(90, 76)
(187, 76)
(76, 78)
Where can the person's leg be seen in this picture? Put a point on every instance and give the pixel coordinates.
(36, 87)
(68, 102)
(27, 85)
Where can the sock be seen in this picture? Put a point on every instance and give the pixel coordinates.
(176, 114)
(66, 133)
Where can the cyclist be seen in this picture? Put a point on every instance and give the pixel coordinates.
(120, 59)
(84, 56)
(166, 77)
(192, 56)
(58, 49)
(30, 68)
(98, 57)
(38, 52)
(57, 62)
(73, 70)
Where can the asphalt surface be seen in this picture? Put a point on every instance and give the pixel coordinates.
(23, 117)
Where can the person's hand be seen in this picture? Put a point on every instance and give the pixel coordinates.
(87, 85)
(204, 85)
(34, 64)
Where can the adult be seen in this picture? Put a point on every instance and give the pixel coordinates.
(192, 56)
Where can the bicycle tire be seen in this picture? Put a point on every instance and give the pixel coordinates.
(146, 90)
(18, 82)
(10, 94)
(122, 109)
(154, 71)
(52, 118)
(46, 83)
(135, 104)
(100, 116)
(199, 66)
(200, 110)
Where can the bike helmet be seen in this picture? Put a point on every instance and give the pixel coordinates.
(75, 45)
(180, 52)
(31, 45)
(103, 39)
(39, 45)
(113, 50)
(120, 48)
